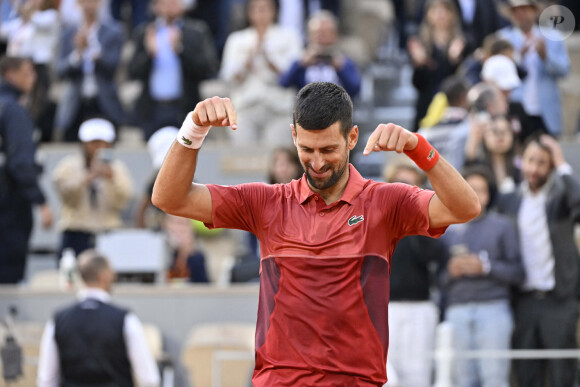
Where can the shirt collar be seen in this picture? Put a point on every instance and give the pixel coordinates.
(161, 22)
(94, 294)
(542, 191)
(354, 186)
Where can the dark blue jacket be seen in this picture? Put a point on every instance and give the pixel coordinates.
(19, 171)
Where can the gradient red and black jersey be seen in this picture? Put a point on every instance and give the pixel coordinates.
(324, 275)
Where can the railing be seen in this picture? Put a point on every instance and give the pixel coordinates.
(445, 355)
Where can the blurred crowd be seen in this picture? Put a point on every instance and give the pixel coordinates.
(487, 98)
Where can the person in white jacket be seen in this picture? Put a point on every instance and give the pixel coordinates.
(254, 58)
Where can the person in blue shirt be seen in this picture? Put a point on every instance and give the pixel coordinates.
(321, 60)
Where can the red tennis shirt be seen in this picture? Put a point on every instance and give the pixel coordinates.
(324, 275)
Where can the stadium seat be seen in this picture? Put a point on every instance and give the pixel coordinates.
(229, 344)
(135, 251)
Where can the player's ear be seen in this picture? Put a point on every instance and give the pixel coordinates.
(293, 133)
(352, 137)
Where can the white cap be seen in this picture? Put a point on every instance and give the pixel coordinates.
(97, 129)
(501, 71)
(159, 144)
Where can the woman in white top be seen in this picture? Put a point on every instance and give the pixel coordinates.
(252, 63)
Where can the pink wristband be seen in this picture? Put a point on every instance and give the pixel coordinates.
(424, 155)
(190, 135)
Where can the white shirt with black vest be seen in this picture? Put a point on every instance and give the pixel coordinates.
(142, 362)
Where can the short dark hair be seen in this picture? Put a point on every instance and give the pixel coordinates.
(535, 138)
(8, 63)
(320, 104)
(482, 96)
(499, 46)
(455, 89)
(486, 173)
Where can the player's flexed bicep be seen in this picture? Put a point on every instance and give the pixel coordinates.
(455, 201)
(174, 191)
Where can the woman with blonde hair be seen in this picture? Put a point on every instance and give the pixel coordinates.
(436, 51)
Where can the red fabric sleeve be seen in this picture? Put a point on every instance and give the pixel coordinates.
(238, 207)
(407, 209)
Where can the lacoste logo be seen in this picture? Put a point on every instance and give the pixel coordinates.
(431, 154)
(187, 141)
(355, 219)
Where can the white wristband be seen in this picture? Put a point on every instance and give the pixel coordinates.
(191, 135)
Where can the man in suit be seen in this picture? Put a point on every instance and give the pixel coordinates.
(94, 342)
(87, 60)
(19, 173)
(545, 208)
(172, 56)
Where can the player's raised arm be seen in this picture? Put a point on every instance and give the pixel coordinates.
(454, 200)
(174, 191)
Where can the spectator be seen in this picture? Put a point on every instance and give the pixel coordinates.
(87, 61)
(170, 74)
(294, 13)
(218, 16)
(138, 11)
(545, 207)
(322, 61)
(94, 342)
(34, 34)
(149, 216)
(71, 13)
(436, 52)
(501, 71)
(479, 19)
(473, 64)
(485, 102)
(19, 173)
(93, 187)
(497, 152)
(485, 261)
(188, 262)
(284, 167)
(413, 315)
(253, 60)
(452, 127)
(545, 61)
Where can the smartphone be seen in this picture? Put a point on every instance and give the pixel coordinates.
(326, 58)
(482, 116)
(106, 155)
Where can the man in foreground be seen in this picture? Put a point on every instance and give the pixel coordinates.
(93, 342)
(326, 239)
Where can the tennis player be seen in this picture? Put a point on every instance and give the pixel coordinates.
(326, 240)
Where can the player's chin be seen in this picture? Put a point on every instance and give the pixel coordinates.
(318, 183)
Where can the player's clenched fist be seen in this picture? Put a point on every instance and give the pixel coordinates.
(213, 111)
(391, 137)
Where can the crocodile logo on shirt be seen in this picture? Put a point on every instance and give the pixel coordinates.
(187, 141)
(355, 219)
(431, 154)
